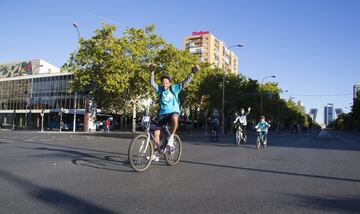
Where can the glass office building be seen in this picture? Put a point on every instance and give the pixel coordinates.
(24, 97)
(329, 115)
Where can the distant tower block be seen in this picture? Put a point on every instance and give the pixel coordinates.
(329, 116)
(356, 90)
(313, 114)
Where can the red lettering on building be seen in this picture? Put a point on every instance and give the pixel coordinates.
(200, 33)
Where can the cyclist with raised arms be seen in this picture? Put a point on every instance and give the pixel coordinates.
(169, 101)
(241, 120)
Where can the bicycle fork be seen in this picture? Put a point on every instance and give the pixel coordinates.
(146, 144)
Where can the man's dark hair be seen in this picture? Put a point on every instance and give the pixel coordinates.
(166, 76)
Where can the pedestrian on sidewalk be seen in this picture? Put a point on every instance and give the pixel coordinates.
(107, 125)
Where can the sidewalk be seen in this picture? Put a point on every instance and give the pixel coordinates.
(115, 133)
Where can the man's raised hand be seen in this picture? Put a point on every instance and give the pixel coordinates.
(195, 69)
(151, 66)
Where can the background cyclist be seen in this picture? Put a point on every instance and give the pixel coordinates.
(241, 120)
(262, 128)
(215, 124)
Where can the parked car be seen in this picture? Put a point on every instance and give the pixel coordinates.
(54, 125)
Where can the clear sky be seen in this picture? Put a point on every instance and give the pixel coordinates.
(312, 46)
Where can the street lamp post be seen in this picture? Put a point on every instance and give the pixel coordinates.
(278, 113)
(77, 28)
(75, 94)
(61, 114)
(261, 92)
(291, 98)
(206, 120)
(75, 106)
(30, 114)
(223, 92)
(42, 120)
(13, 119)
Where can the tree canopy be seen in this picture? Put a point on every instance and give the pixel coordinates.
(112, 70)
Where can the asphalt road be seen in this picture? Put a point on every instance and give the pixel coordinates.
(75, 173)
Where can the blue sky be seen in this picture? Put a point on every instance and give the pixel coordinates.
(312, 46)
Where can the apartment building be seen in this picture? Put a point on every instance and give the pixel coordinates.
(212, 50)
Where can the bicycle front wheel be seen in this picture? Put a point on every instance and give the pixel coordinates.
(173, 155)
(140, 153)
(258, 141)
(238, 137)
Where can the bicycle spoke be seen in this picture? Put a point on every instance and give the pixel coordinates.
(140, 153)
(172, 156)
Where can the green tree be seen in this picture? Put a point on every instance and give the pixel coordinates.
(112, 69)
(178, 64)
(350, 121)
(142, 46)
(100, 68)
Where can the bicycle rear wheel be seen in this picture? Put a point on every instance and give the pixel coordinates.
(265, 143)
(212, 136)
(172, 157)
(244, 139)
(237, 137)
(140, 153)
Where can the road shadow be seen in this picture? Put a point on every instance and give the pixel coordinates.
(56, 198)
(227, 141)
(72, 147)
(108, 162)
(328, 203)
(305, 141)
(309, 142)
(272, 171)
(102, 160)
(112, 134)
(93, 158)
(223, 141)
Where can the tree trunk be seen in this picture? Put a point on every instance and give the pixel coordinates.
(193, 118)
(122, 122)
(134, 119)
(126, 122)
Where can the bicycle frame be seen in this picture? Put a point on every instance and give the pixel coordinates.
(261, 134)
(239, 129)
(239, 135)
(151, 136)
(140, 159)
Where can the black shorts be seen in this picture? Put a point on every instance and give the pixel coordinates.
(164, 119)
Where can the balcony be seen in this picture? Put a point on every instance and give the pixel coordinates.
(196, 50)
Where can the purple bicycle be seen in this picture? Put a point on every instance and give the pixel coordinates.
(143, 146)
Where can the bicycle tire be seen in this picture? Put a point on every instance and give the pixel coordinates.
(135, 163)
(237, 137)
(265, 143)
(213, 136)
(258, 142)
(169, 157)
